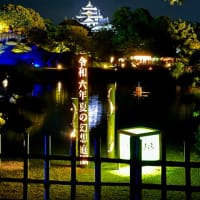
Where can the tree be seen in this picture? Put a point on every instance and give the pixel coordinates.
(173, 2)
(133, 29)
(184, 37)
(21, 19)
(68, 37)
(2, 120)
(102, 47)
(74, 35)
(121, 21)
(162, 43)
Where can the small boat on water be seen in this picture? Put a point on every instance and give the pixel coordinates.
(139, 92)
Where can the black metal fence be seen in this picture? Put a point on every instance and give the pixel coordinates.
(135, 184)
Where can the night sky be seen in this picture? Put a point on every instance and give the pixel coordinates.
(57, 10)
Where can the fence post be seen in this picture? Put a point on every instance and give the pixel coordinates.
(187, 169)
(26, 163)
(73, 165)
(135, 168)
(47, 150)
(97, 152)
(163, 169)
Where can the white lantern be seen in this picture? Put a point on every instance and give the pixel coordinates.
(150, 142)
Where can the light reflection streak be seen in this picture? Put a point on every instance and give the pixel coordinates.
(95, 111)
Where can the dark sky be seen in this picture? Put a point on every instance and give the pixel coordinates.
(57, 10)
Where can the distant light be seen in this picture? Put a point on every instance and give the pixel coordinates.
(150, 68)
(112, 59)
(36, 65)
(5, 83)
(141, 58)
(73, 134)
(59, 86)
(59, 66)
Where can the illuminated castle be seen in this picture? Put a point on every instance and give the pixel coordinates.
(91, 17)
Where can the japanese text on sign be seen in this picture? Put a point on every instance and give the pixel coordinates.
(83, 110)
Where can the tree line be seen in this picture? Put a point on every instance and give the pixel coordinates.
(133, 31)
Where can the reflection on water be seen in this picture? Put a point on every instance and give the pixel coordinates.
(59, 101)
(60, 94)
(37, 90)
(163, 109)
(156, 111)
(95, 111)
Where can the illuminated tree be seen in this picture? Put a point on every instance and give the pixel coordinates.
(67, 36)
(173, 2)
(21, 19)
(78, 39)
(2, 120)
(66, 39)
(184, 37)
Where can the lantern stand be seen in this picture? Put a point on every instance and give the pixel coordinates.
(135, 167)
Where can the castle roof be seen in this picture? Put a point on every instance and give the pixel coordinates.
(91, 17)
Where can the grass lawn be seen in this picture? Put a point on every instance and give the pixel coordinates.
(60, 170)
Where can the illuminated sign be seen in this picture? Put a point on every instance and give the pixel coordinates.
(150, 142)
(83, 111)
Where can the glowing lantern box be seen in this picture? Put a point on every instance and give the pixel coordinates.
(150, 142)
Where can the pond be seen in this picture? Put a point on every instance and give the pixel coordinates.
(162, 108)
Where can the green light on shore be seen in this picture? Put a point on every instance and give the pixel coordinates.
(146, 170)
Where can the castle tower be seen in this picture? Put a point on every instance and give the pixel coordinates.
(91, 17)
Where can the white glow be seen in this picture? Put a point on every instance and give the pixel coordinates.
(124, 146)
(146, 170)
(150, 147)
(73, 133)
(150, 144)
(59, 86)
(59, 66)
(111, 59)
(139, 130)
(141, 58)
(5, 83)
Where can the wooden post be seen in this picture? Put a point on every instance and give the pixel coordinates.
(97, 151)
(111, 121)
(135, 168)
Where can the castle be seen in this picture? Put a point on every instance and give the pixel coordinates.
(91, 17)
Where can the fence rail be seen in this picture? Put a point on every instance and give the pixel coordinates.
(135, 184)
